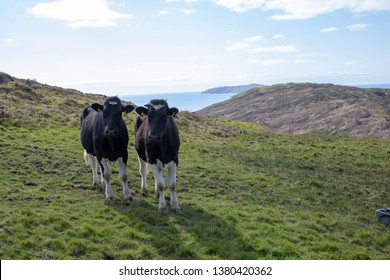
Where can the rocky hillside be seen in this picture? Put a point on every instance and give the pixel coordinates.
(307, 108)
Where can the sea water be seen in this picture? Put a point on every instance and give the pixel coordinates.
(184, 101)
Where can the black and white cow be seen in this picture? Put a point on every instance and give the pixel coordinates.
(157, 143)
(104, 137)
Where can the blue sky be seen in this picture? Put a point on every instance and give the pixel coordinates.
(132, 47)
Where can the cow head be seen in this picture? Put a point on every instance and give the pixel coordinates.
(112, 115)
(158, 113)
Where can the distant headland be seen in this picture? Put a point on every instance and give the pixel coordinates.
(233, 89)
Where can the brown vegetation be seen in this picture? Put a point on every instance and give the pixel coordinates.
(308, 108)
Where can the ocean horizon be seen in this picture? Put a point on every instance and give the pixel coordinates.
(184, 101)
(196, 100)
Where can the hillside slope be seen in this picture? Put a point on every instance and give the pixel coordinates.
(311, 108)
(232, 89)
(243, 193)
(28, 103)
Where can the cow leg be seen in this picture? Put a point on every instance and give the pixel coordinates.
(123, 178)
(160, 187)
(102, 179)
(106, 176)
(156, 182)
(143, 170)
(92, 161)
(172, 186)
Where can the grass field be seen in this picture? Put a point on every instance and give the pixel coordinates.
(243, 193)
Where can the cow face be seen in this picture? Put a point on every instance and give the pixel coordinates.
(158, 114)
(112, 115)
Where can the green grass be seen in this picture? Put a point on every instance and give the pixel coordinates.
(256, 196)
(243, 193)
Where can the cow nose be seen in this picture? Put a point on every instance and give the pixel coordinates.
(154, 138)
(111, 132)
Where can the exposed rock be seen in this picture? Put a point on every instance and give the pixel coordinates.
(5, 78)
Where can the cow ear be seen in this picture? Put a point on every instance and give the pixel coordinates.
(142, 111)
(173, 111)
(127, 109)
(97, 107)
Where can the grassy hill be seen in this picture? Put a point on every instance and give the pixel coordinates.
(244, 193)
(232, 89)
(311, 108)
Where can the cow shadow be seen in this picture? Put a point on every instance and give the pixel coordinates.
(193, 234)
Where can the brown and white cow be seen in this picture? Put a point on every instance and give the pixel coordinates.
(157, 143)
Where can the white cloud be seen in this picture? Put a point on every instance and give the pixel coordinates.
(304, 9)
(240, 6)
(185, 1)
(278, 36)
(86, 13)
(267, 62)
(254, 38)
(249, 45)
(278, 48)
(363, 6)
(245, 44)
(352, 27)
(176, 11)
(357, 27)
(188, 11)
(232, 46)
(313, 54)
(163, 12)
(9, 41)
(329, 29)
(206, 65)
(301, 61)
